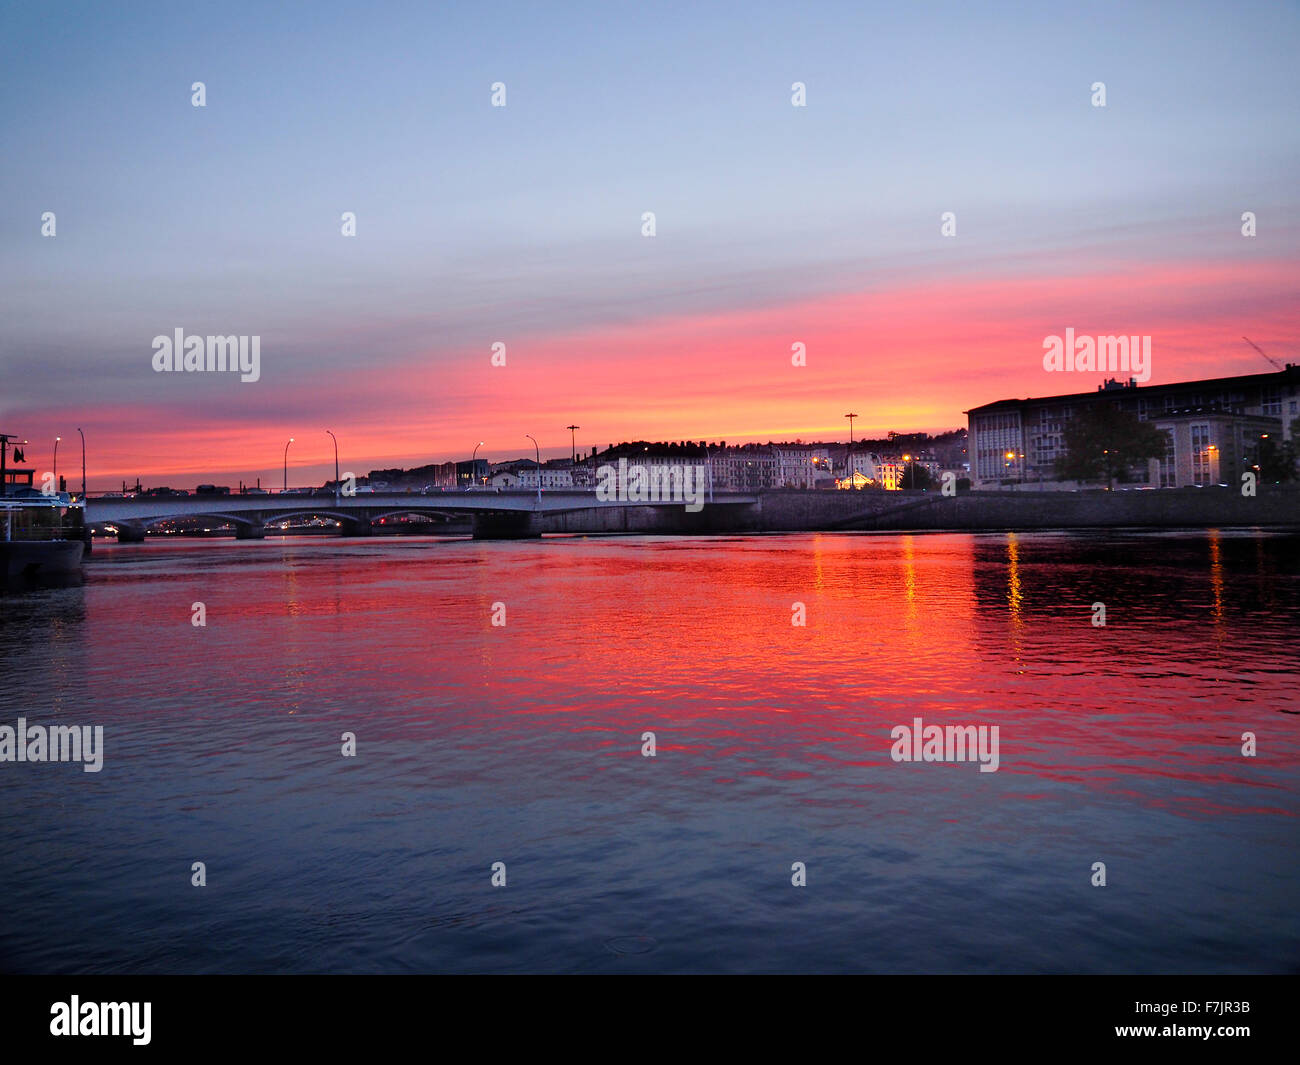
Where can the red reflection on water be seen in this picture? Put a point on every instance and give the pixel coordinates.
(693, 639)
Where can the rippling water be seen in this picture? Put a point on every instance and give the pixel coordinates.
(522, 744)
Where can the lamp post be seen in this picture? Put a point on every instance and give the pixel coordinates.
(848, 458)
(538, 451)
(573, 443)
(473, 470)
(286, 466)
(910, 468)
(336, 466)
(83, 462)
(56, 462)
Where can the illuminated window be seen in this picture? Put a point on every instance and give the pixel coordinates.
(1201, 454)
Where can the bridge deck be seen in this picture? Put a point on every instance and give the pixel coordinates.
(264, 508)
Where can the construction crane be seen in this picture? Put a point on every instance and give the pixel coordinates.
(1276, 365)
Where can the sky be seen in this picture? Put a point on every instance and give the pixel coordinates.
(522, 225)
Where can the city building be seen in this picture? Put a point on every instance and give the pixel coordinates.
(802, 465)
(864, 468)
(867, 463)
(889, 472)
(657, 459)
(1214, 429)
(475, 471)
(745, 468)
(558, 476)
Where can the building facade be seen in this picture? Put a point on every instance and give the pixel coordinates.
(747, 468)
(802, 465)
(550, 476)
(659, 463)
(1214, 428)
(474, 472)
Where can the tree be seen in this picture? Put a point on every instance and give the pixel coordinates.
(1105, 443)
(915, 476)
(1276, 458)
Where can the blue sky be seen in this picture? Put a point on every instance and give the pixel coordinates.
(523, 222)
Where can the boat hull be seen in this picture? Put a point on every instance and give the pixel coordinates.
(36, 559)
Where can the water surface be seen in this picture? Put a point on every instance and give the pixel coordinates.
(522, 744)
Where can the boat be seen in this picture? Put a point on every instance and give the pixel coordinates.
(41, 536)
(43, 533)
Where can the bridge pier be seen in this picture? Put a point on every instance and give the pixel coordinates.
(249, 532)
(130, 534)
(506, 525)
(355, 527)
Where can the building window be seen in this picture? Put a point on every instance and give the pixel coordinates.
(1200, 454)
(1168, 468)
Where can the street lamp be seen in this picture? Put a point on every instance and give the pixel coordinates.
(573, 443)
(912, 478)
(538, 451)
(848, 458)
(286, 466)
(83, 462)
(56, 462)
(473, 469)
(336, 467)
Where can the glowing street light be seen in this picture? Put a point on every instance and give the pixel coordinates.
(286, 466)
(336, 466)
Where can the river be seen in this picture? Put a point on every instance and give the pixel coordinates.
(523, 743)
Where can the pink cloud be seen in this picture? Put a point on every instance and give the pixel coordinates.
(909, 356)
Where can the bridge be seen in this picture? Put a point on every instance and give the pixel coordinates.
(496, 514)
(517, 513)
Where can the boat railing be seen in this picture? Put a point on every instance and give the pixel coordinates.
(33, 521)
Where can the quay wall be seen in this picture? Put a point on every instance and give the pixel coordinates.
(805, 511)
